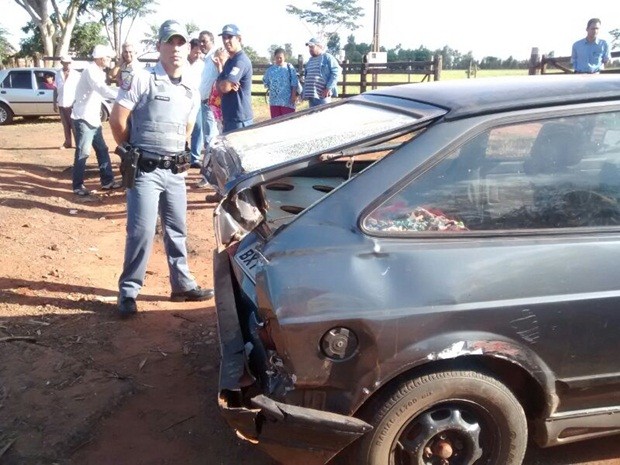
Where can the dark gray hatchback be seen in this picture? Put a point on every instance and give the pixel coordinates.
(426, 274)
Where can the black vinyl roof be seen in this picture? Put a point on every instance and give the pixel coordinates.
(470, 97)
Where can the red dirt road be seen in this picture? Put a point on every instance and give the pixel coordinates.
(83, 387)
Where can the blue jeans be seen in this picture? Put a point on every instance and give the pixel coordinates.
(315, 102)
(87, 137)
(160, 191)
(197, 140)
(232, 125)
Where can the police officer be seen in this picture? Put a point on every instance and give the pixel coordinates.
(154, 112)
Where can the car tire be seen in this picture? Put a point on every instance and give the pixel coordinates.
(104, 114)
(456, 417)
(6, 115)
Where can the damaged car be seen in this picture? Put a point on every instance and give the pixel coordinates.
(423, 274)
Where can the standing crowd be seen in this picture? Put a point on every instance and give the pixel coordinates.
(164, 120)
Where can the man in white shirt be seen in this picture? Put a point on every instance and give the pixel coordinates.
(89, 94)
(64, 95)
(192, 76)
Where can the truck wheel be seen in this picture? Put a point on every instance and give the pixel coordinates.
(6, 115)
(451, 417)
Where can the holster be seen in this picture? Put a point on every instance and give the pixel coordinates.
(130, 157)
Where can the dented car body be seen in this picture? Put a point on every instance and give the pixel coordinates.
(423, 273)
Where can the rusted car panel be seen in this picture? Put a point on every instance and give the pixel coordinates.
(401, 284)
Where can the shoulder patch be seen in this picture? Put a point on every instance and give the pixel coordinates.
(126, 81)
(234, 71)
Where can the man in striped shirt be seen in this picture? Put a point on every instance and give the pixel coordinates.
(321, 74)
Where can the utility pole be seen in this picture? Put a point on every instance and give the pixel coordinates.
(375, 30)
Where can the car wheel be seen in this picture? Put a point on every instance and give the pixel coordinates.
(104, 114)
(452, 417)
(6, 115)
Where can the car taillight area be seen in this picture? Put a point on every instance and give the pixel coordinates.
(263, 362)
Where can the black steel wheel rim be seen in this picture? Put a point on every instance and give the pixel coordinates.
(450, 433)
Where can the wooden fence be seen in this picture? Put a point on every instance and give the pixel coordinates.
(355, 79)
(360, 77)
(542, 64)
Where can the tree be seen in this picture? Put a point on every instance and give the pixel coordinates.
(6, 49)
(55, 28)
(333, 44)
(84, 38)
(615, 42)
(115, 13)
(330, 15)
(151, 37)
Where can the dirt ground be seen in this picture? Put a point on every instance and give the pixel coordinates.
(79, 386)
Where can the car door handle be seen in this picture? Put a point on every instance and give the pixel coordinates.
(41, 92)
(2, 91)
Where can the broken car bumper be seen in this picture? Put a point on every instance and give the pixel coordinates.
(288, 433)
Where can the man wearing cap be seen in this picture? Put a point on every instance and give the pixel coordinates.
(235, 82)
(64, 95)
(155, 114)
(89, 94)
(321, 74)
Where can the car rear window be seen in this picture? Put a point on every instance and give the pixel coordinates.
(18, 80)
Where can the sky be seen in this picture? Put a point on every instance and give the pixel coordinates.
(484, 27)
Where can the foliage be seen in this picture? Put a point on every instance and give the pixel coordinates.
(6, 49)
(191, 28)
(333, 44)
(451, 58)
(615, 41)
(152, 36)
(330, 15)
(254, 56)
(114, 15)
(84, 38)
(288, 51)
(55, 29)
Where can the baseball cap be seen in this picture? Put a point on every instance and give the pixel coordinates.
(102, 51)
(314, 41)
(231, 30)
(171, 28)
(66, 59)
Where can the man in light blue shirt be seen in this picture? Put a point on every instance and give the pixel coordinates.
(590, 54)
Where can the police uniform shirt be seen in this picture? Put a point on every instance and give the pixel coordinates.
(135, 91)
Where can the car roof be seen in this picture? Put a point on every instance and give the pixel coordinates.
(471, 97)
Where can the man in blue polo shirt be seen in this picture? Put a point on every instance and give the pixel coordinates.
(590, 54)
(235, 82)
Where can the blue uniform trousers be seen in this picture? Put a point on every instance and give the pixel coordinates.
(164, 192)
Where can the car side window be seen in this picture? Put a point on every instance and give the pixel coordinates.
(18, 80)
(551, 174)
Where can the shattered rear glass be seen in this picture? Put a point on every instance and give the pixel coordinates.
(316, 132)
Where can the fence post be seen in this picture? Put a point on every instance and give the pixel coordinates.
(363, 76)
(534, 62)
(437, 63)
(345, 67)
